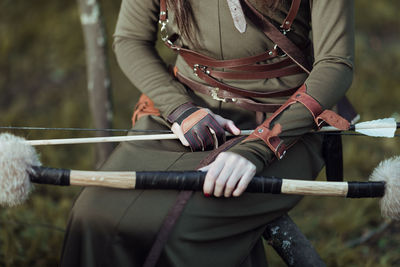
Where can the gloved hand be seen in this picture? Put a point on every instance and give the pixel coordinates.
(199, 128)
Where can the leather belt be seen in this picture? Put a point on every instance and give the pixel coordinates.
(229, 97)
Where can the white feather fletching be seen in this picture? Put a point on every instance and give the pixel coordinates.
(16, 159)
(377, 128)
(389, 172)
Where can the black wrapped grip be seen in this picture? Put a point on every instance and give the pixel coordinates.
(193, 180)
(53, 176)
(366, 189)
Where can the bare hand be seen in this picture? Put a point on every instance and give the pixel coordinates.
(229, 175)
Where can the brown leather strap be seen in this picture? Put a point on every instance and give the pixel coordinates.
(292, 70)
(166, 228)
(241, 64)
(196, 58)
(225, 96)
(179, 111)
(163, 10)
(213, 155)
(145, 106)
(310, 103)
(270, 137)
(227, 91)
(265, 67)
(177, 208)
(294, 8)
(276, 36)
(333, 119)
(244, 93)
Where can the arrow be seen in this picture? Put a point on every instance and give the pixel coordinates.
(376, 128)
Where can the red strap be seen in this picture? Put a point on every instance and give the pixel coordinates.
(166, 228)
(284, 43)
(163, 10)
(196, 58)
(247, 75)
(176, 210)
(245, 93)
(294, 9)
(332, 119)
(270, 137)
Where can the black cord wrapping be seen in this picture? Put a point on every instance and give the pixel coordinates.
(53, 176)
(363, 189)
(193, 180)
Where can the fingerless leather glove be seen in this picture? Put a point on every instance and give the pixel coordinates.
(200, 128)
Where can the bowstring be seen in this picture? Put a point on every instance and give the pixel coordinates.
(26, 128)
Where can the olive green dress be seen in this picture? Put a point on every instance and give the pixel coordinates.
(111, 227)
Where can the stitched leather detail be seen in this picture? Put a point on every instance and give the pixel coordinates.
(310, 103)
(202, 131)
(333, 119)
(193, 119)
(144, 106)
(178, 112)
(270, 137)
(316, 111)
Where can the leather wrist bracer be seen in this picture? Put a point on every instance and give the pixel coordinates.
(199, 127)
(320, 116)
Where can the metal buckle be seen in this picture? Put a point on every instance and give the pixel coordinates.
(279, 51)
(163, 30)
(197, 67)
(214, 94)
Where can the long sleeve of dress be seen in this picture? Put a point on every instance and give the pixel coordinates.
(333, 41)
(134, 45)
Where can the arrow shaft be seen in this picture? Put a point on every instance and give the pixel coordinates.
(360, 127)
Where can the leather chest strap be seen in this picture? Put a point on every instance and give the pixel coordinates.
(294, 9)
(163, 10)
(276, 35)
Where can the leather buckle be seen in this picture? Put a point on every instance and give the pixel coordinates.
(163, 30)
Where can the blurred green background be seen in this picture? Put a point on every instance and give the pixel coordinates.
(43, 84)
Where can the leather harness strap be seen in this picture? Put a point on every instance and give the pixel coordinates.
(279, 38)
(193, 56)
(292, 70)
(245, 68)
(226, 96)
(288, 21)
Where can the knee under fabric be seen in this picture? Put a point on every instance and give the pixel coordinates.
(271, 136)
(200, 128)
